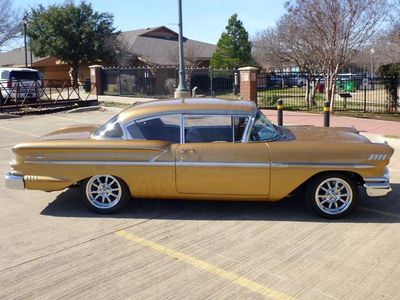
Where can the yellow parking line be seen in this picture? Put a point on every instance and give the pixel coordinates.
(19, 131)
(239, 280)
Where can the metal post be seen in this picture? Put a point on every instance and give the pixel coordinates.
(182, 89)
(211, 83)
(25, 19)
(119, 81)
(30, 52)
(279, 106)
(365, 98)
(326, 114)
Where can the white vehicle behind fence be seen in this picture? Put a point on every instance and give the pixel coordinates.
(20, 84)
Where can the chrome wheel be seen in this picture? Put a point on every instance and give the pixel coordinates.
(333, 196)
(103, 191)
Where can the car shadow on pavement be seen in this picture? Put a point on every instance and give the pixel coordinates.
(369, 210)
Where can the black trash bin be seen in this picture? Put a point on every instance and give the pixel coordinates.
(86, 85)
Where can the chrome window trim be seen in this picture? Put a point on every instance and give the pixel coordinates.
(253, 120)
(182, 115)
(246, 134)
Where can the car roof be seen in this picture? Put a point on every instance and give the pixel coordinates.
(190, 105)
(19, 69)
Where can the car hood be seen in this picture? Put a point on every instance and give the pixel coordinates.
(71, 133)
(331, 134)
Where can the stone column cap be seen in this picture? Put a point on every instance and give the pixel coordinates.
(96, 66)
(248, 69)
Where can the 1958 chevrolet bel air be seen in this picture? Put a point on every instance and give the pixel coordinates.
(203, 149)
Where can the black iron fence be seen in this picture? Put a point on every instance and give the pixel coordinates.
(298, 90)
(352, 92)
(162, 82)
(25, 93)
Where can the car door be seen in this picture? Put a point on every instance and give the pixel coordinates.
(213, 160)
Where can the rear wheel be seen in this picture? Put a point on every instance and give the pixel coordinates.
(105, 194)
(332, 195)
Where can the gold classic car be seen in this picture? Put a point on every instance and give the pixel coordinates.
(203, 149)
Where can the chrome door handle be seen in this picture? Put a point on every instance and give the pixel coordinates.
(186, 150)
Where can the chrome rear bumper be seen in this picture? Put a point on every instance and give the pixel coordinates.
(378, 186)
(14, 182)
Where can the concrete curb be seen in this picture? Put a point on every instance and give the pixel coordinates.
(84, 109)
(8, 116)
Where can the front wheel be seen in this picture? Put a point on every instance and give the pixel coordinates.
(332, 195)
(105, 194)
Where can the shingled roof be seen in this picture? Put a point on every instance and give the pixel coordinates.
(153, 46)
(159, 46)
(16, 58)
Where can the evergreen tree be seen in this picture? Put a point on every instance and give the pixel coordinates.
(233, 48)
(75, 34)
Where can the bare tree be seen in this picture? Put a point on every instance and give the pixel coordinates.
(336, 30)
(123, 56)
(285, 46)
(387, 43)
(10, 22)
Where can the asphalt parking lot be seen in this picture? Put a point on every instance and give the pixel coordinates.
(52, 247)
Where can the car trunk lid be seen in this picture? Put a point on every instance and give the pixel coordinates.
(71, 133)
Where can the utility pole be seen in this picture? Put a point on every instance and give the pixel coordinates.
(182, 90)
(25, 21)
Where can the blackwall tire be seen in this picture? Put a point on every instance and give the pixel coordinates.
(332, 195)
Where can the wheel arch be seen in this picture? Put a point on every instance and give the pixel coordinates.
(81, 181)
(357, 178)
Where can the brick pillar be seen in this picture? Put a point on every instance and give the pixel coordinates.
(248, 83)
(95, 79)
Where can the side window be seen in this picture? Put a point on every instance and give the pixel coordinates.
(205, 129)
(163, 128)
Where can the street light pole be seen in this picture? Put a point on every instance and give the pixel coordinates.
(25, 21)
(182, 90)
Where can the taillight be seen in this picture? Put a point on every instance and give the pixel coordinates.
(9, 84)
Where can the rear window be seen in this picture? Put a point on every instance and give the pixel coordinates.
(24, 75)
(112, 129)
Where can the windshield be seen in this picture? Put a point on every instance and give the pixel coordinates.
(262, 129)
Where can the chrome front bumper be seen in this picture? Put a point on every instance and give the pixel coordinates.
(14, 182)
(378, 186)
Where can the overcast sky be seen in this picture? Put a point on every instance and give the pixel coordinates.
(203, 20)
